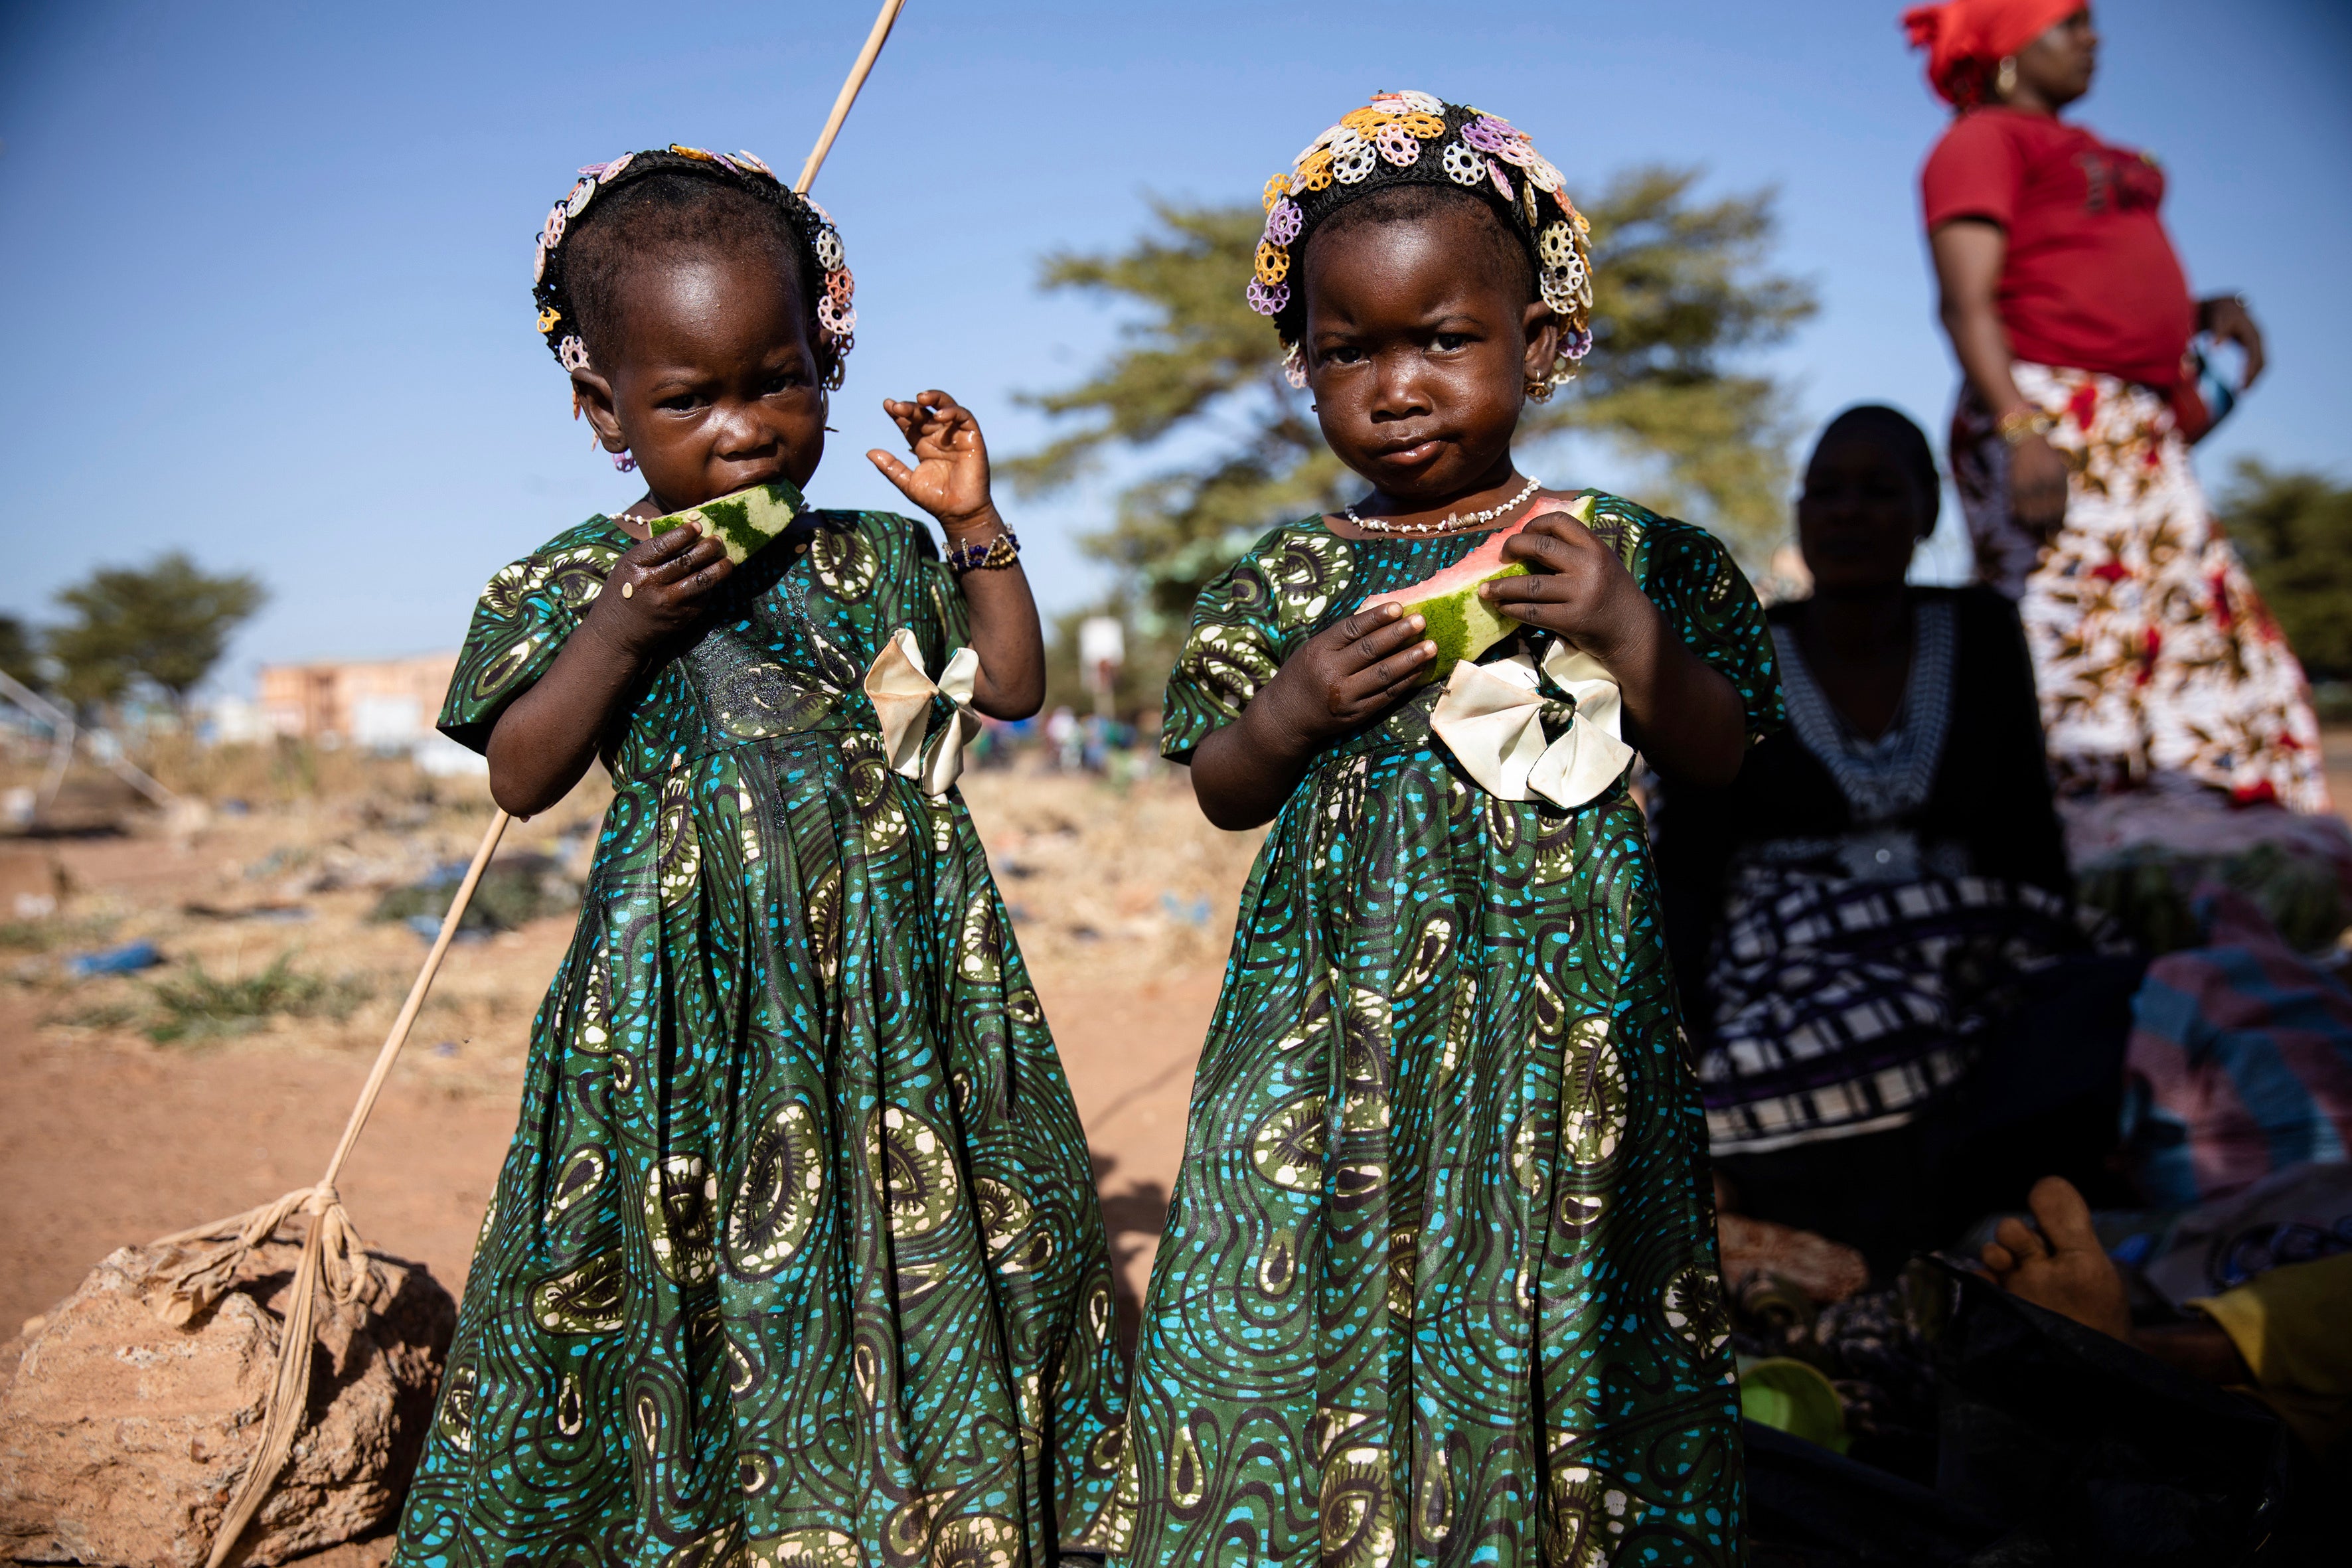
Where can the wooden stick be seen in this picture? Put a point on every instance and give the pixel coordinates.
(848, 94)
(398, 1037)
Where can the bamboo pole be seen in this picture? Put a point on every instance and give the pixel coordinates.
(332, 1254)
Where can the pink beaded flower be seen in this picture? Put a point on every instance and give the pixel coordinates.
(1266, 301)
(1397, 144)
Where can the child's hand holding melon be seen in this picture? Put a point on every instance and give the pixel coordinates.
(657, 589)
(1347, 673)
(1575, 587)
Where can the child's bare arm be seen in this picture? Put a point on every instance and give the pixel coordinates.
(546, 738)
(1686, 717)
(949, 480)
(1341, 677)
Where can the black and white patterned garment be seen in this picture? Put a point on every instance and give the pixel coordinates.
(1854, 974)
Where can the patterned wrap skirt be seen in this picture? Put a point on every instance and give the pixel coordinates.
(2152, 650)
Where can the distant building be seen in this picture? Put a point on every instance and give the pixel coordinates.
(386, 705)
(233, 721)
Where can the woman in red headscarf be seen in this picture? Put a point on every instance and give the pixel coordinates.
(2072, 319)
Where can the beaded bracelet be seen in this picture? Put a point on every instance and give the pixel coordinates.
(999, 551)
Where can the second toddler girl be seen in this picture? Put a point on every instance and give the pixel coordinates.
(1439, 1280)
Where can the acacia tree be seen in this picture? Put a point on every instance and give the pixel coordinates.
(1680, 289)
(166, 624)
(19, 659)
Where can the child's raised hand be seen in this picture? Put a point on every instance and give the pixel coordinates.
(1347, 672)
(1575, 587)
(658, 588)
(950, 479)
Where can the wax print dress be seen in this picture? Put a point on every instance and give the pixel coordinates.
(1439, 1282)
(797, 1257)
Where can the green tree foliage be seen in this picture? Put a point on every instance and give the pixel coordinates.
(2294, 530)
(166, 624)
(1680, 289)
(19, 656)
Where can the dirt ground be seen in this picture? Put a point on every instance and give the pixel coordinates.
(1123, 900)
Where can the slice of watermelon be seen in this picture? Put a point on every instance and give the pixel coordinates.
(1461, 624)
(742, 522)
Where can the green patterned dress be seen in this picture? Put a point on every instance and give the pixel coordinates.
(1439, 1281)
(796, 1258)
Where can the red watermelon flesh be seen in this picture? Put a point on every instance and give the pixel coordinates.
(1461, 624)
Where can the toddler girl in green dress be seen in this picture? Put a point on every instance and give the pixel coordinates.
(1439, 1280)
(796, 1258)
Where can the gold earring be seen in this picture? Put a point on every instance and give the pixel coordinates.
(2004, 80)
(1539, 392)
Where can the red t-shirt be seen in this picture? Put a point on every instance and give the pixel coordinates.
(2091, 281)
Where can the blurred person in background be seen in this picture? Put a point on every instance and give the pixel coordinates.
(2072, 324)
(1901, 1021)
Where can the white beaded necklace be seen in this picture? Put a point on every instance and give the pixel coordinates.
(1451, 522)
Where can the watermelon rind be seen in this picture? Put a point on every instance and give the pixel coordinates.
(1459, 622)
(742, 522)
(1463, 624)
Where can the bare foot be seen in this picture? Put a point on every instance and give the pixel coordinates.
(2062, 1269)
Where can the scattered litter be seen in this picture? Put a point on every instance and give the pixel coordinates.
(445, 1048)
(515, 890)
(1084, 934)
(1018, 911)
(234, 807)
(428, 927)
(278, 862)
(1195, 913)
(128, 959)
(272, 914)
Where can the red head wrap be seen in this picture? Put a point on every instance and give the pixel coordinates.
(1964, 38)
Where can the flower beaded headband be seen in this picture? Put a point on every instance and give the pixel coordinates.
(1412, 138)
(837, 316)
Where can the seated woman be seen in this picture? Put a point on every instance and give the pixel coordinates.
(1898, 1015)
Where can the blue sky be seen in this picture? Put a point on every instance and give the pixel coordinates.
(266, 290)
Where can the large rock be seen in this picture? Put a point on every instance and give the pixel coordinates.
(121, 1437)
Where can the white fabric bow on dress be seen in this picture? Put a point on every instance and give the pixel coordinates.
(901, 694)
(1491, 717)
